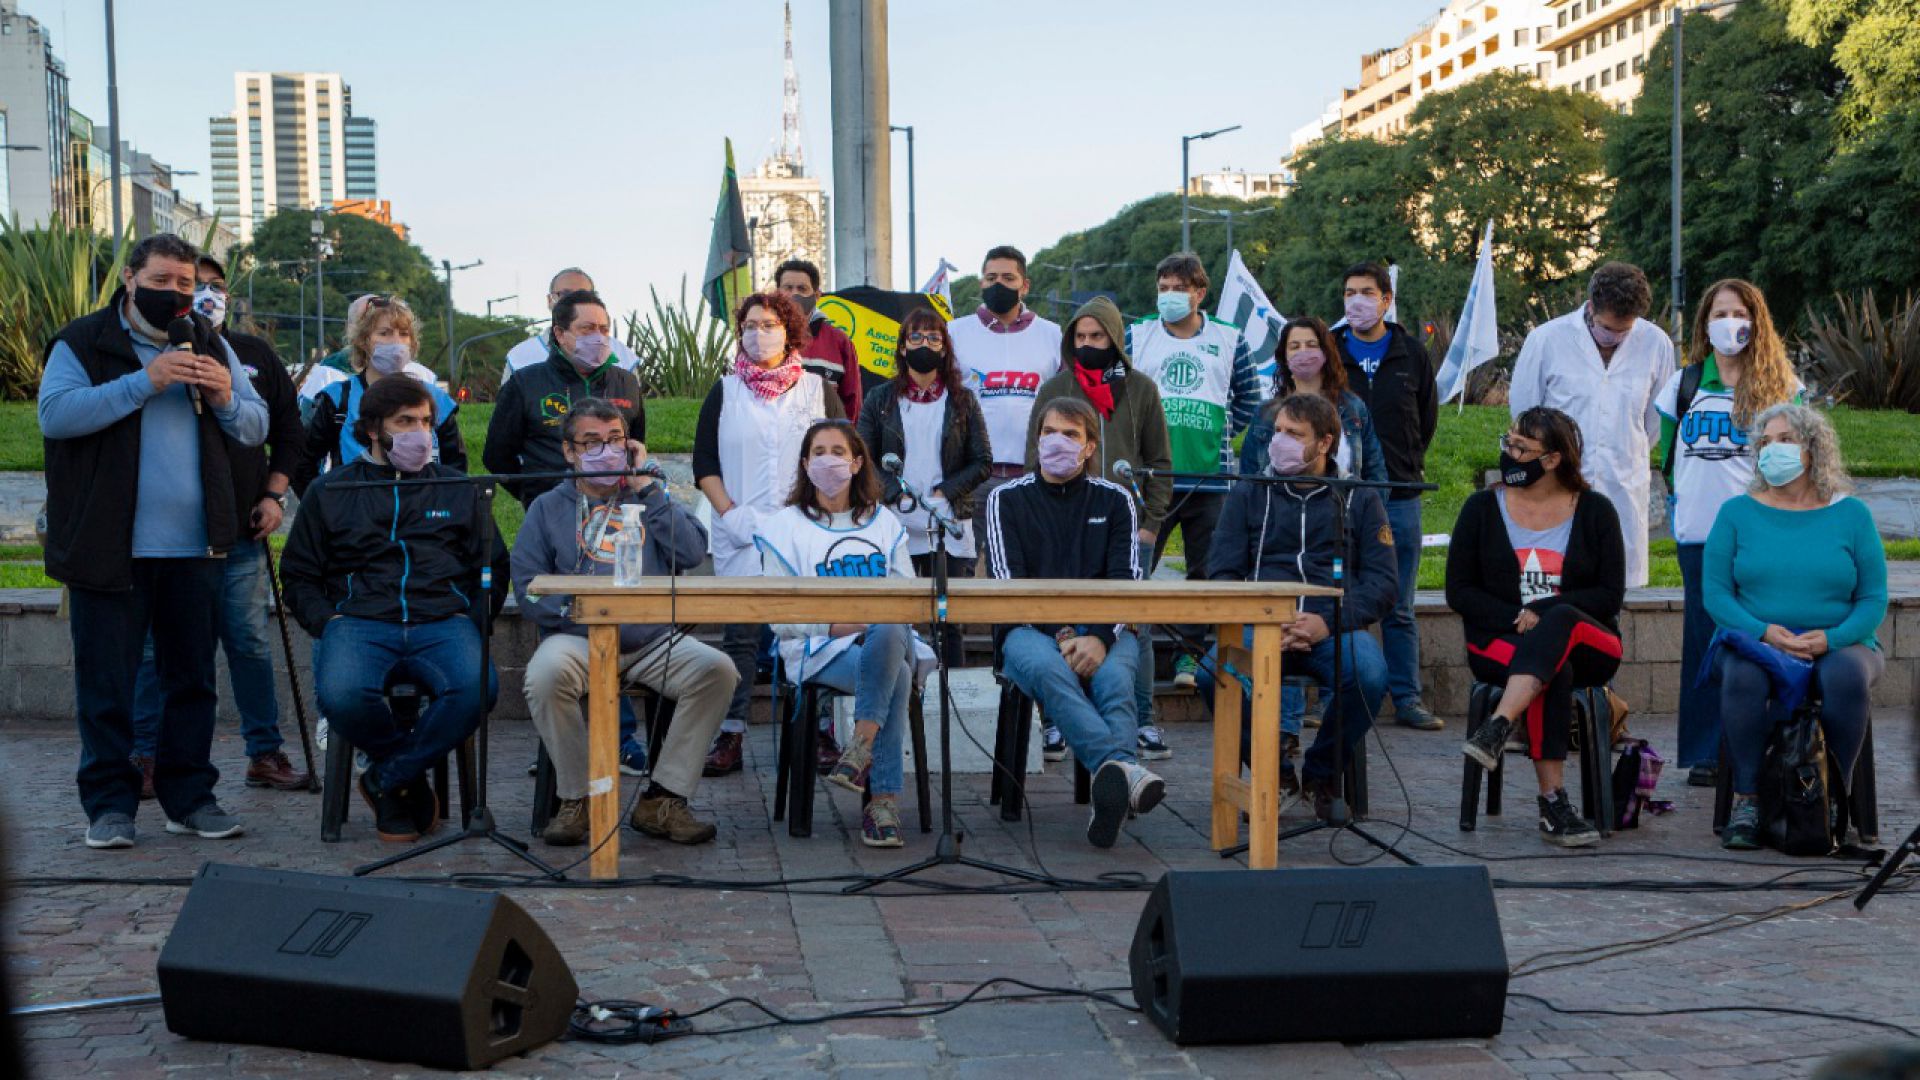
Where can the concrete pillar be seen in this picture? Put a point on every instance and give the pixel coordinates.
(862, 166)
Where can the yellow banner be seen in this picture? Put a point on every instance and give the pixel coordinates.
(871, 320)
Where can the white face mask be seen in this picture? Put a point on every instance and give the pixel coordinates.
(763, 345)
(1729, 336)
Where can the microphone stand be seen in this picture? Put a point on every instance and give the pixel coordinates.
(480, 824)
(1339, 816)
(946, 849)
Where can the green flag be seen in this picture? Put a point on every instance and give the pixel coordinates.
(729, 274)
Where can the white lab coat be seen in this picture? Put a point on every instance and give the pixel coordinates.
(1560, 367)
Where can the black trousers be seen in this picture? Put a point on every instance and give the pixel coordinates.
(1568, 648)
(178, 601)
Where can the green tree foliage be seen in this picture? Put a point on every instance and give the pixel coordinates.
(1354, 202)
(49, 276)
(277, 271)
(1865, 208)
(1506, 149)
(1876, 42)
(1758, 132)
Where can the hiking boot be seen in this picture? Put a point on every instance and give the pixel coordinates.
(633, 758)
(827, 753)
(1488, 741)
(855, 763)
(1144, 789)
(1743, 825)
(726, 755)
(669, 817)
(273, 770)
(1321, 791)
(1703, 776)
(1152, 745)
(1316, 713)
(392, 814)
(1415, 715)
(422, 806)
(1289, 775)
(1053, 745)
(209, 823)
(145, 764)
(1561, 825)
(568, 825)
(110, 830)
(1112, 796)
(880, 824)
(1186, 672)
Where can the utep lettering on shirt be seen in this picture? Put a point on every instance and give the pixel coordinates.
(853, 557)
(1705, 435)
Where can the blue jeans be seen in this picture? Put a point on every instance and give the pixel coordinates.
(1699, 705)
(878, 671)
(242, 627)
(1143, 641)
(355, 661)
(1363, 684)
(177, 600)
(1399, 637)
(1097, 720)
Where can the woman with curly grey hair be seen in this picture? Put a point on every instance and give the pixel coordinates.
(1797, 564)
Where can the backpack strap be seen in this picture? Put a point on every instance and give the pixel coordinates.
(1689, 386)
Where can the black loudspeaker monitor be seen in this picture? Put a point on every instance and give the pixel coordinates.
(449, 978)
(1246, 956)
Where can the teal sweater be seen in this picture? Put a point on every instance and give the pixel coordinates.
(1801, 569)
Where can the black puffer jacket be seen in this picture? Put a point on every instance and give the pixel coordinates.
(965, 458)
(398, 553)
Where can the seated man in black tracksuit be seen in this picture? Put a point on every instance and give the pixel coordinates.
(383, 579)
(1281, 532)
(1081, 676)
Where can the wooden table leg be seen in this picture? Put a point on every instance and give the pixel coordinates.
(603, 750)
(1226, 742)
(1263, 817)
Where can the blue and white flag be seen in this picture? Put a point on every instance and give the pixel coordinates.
(1244, 304)
(941, 282)
(1476, 338)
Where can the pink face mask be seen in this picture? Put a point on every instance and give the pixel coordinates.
(1286, 455)
(1603, 337)
(1059, 455)
(831, 475)
(1363, 312)
(1306, 363)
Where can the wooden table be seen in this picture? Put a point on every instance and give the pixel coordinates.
(1265, 607)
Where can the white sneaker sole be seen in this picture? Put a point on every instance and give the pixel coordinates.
(1583, 840)
(1161, 754)
(1147, 793)
(178, 829)
(1110, 803)
(116, 842)
(1480, 757)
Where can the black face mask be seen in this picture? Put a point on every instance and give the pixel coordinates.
(160, 306)
(805, 304)
(923, 359)
(999, 298)
(1520, 474)
(1094, 359)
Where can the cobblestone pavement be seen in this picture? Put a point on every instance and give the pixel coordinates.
(810, 953)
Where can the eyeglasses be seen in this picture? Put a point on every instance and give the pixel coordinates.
(1515, 450)
(768, 326)
(924, 337)
(594, 446)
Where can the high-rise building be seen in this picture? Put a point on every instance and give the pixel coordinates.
(33, 94)
(1601, 46)
(1464, 41)
(88, 173)
(1241, 184)
(786, 209)
(291, 142)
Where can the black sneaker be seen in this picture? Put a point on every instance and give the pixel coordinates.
(1053, 744)
(1322, 792)
(1112, 797)
(1743, 825)
(1562, 825)
(392, 813)
(1488, 741)
(1703, 776)
(422, 806)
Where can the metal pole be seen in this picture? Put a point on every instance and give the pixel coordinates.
(1186, 242)
(1674, 271)
(302, 309)
(1229, 216)
(913, 254)
(862, 152)
(320, 279)
(453, 363)
(113, 121)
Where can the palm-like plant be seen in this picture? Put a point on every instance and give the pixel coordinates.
(49, 276)
(1863, 359)
(683, 351)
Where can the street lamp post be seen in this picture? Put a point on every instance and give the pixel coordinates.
(320, 277)
(499, 300)
(453, 362)
(113, 121)
(1228, 216)
(1676, 270)
(1186, 243)
(913, 274)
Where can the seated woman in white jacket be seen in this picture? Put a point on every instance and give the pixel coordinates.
(834, 526)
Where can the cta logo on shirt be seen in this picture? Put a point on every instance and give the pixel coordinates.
(1009, 384)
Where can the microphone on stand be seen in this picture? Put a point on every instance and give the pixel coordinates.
(892, 466)
(1124, 470)
(180, 337)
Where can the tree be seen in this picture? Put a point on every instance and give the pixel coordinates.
(1506, 149)
(1352, 203)
(1866, 205)
(1759, 133)
(1877, 44)
(277, 271)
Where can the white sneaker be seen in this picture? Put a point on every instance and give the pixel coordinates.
(1144, 789)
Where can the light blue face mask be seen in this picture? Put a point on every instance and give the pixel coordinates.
(1781, 464)
(1175, 305)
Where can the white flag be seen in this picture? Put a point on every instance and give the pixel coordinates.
(1393, 286)
(940, 283)
(1244, 304)
(1476, 339)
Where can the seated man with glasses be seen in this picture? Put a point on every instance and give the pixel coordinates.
(572, 528)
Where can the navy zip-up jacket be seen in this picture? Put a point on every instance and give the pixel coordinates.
(1279, 532)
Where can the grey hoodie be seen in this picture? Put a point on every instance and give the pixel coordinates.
(549, 543)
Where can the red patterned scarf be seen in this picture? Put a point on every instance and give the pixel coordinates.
(768, 383)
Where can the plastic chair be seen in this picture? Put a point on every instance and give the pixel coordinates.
(406, 700)
(1590, 738)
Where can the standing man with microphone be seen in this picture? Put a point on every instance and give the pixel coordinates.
(124, 441)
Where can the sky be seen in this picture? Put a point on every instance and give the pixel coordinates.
(590, 133)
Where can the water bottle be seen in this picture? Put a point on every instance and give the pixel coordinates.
(628, 546)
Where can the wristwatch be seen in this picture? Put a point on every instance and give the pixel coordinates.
(279, 497)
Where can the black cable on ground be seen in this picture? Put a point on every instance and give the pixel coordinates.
(1777, 1009)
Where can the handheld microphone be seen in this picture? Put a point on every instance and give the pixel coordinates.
(180, 337)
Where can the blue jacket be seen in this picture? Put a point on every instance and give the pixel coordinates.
(1279, 532)
(331, 442)
(1356, 429)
